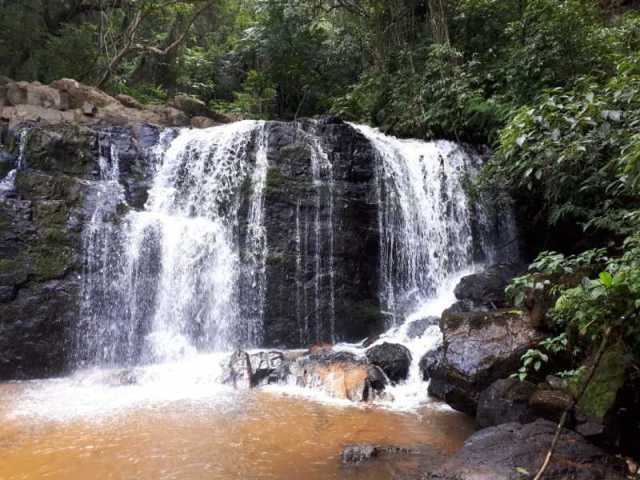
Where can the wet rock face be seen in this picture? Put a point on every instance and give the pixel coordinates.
(304, 258)
(392, 358)
(505, 401)
(486, 288)
(320, 287)
(41, 257)
(496, 452)
(478, 348)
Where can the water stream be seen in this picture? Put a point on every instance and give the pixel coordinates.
(170, 289)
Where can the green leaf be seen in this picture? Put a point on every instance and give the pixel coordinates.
(606, 279)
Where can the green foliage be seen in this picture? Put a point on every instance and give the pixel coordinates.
(605, 299)
(255, 100)
(577, 149)
(144, 93)
(610, 301)
(533, 358)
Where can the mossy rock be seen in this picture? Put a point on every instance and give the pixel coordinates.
(50, 213)
(13, 271)
(51, 263)
(39, 186)
(69, 149)
(609, 377)
(275, 179)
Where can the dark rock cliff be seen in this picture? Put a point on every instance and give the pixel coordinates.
(297, 230)
(42, 220)
(41, 223)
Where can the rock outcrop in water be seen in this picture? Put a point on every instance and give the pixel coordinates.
(394, 360)
(478, 348)
(337, 374)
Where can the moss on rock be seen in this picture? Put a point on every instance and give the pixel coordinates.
(601, 393)
(68, 149)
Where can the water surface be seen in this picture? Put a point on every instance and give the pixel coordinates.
(58, 429)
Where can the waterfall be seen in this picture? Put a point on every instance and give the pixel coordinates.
(315, 243)
(8, 183)
(430, 237)
(426, 222)
(170, 280)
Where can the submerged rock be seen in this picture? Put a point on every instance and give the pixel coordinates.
(507, 451)
(430, 362)
(392, 358)
(478, 348)
(358, 453)
(417, 328)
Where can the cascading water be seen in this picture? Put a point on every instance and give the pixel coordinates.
(427, 227)
(425, 219)
(167, 281)
(315, 237)
(7, 184)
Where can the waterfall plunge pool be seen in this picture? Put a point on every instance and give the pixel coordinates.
(178, 424)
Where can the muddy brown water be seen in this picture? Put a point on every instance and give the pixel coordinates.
(230, 435)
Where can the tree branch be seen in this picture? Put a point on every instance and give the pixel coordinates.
(574, 402)
(130, 47)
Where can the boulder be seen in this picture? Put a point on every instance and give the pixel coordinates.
(487, 287)
(507, 451)
(191, 106)
(69, 101)
(392, 358)
(34, 94)
(200, 121)
(478, 349)
(548, 402)
(129, 101)
(340, 375)
(505, 401)
(269, 367)
(430, 362)
(417, 328)
(238, 371)
(78, 94)
(244, 370)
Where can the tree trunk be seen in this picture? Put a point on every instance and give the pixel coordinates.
(438, 20)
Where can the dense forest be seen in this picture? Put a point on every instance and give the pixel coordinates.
(551, 86)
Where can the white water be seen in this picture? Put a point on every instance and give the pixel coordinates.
(319, 223)
(8, 183)
(166, 281)
(164, 284)
(426, 242)
(424, 219)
